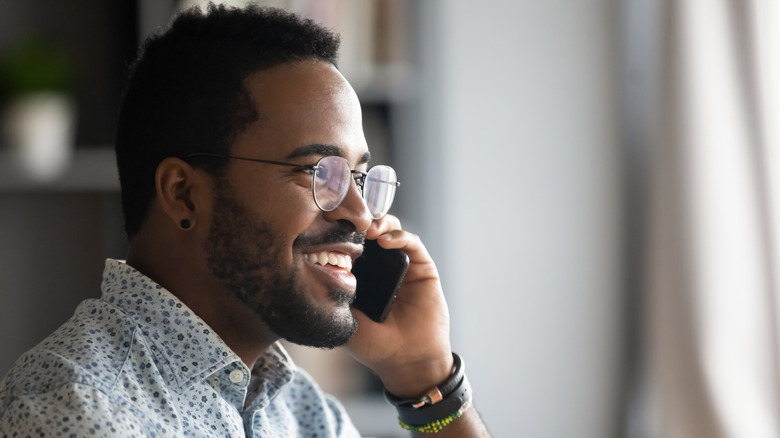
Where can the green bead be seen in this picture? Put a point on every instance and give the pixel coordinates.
(432, 427)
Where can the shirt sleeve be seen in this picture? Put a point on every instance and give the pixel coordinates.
(72, 411)
(315, 412)
(344, 426)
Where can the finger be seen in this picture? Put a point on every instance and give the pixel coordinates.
(383, 225)
(411, 244)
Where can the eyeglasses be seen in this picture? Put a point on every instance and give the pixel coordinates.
(331, 178)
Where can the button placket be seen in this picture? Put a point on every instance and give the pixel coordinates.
(233, 385)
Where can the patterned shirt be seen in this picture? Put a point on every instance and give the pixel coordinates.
(137, 362)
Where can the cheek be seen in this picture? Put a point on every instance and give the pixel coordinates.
(289, 215)
(286, 207)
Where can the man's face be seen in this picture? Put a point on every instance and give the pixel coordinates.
(269, 244)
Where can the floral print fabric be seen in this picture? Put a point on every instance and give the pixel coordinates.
(137, 362)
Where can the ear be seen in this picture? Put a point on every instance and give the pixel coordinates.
(180, 190)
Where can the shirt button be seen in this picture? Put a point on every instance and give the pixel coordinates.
(236, 376)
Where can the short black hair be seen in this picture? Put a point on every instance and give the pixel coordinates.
(186, 89)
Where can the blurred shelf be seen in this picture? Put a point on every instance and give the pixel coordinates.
(91, 169)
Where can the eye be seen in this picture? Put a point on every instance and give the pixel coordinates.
(359, 178)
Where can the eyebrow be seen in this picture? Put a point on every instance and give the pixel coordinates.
(324, 150)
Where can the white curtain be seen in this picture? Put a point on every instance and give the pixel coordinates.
(707, 111)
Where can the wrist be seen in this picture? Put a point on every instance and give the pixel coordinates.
(413, 380)
(439, 406)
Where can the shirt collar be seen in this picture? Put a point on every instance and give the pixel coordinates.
(182, 341)
(270, 374)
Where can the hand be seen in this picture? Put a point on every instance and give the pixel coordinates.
(410, 350)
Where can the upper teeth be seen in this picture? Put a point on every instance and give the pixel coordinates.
(330, 258)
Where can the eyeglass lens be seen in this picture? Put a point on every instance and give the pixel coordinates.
(331, 182)
(333, 177)
(379, 190)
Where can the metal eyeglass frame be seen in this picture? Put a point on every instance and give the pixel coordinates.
(309, 168)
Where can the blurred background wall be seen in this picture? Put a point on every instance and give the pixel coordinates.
(506, 121)
(518, 158)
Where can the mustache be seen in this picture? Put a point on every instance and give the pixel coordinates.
(342, 233)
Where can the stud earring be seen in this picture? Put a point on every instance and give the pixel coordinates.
(185, 224)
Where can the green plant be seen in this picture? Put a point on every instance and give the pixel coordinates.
(34, 65)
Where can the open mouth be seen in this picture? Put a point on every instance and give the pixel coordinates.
(330, 258)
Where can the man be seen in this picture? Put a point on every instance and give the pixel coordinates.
(242, 164)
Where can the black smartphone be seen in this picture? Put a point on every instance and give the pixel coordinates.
(379, 274)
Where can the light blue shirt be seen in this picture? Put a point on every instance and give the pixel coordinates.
(137, 362)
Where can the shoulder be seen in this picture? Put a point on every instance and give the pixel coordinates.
(66, 381)
(90, 349)
(71, 409)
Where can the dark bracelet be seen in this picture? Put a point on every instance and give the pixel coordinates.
(439, 402)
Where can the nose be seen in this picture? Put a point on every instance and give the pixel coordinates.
(352, 209)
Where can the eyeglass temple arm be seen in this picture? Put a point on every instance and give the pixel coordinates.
(365, 176)
(278, 163)
(395, 183)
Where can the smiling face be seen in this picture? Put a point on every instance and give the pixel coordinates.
(269, 244)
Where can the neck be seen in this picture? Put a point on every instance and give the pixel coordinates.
(189, 279)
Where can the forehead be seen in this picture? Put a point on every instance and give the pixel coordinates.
(300, 105)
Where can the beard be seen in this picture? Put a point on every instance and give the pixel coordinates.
(244, 256)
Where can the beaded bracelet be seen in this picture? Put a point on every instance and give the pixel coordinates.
(440, 406)
(438, 425)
